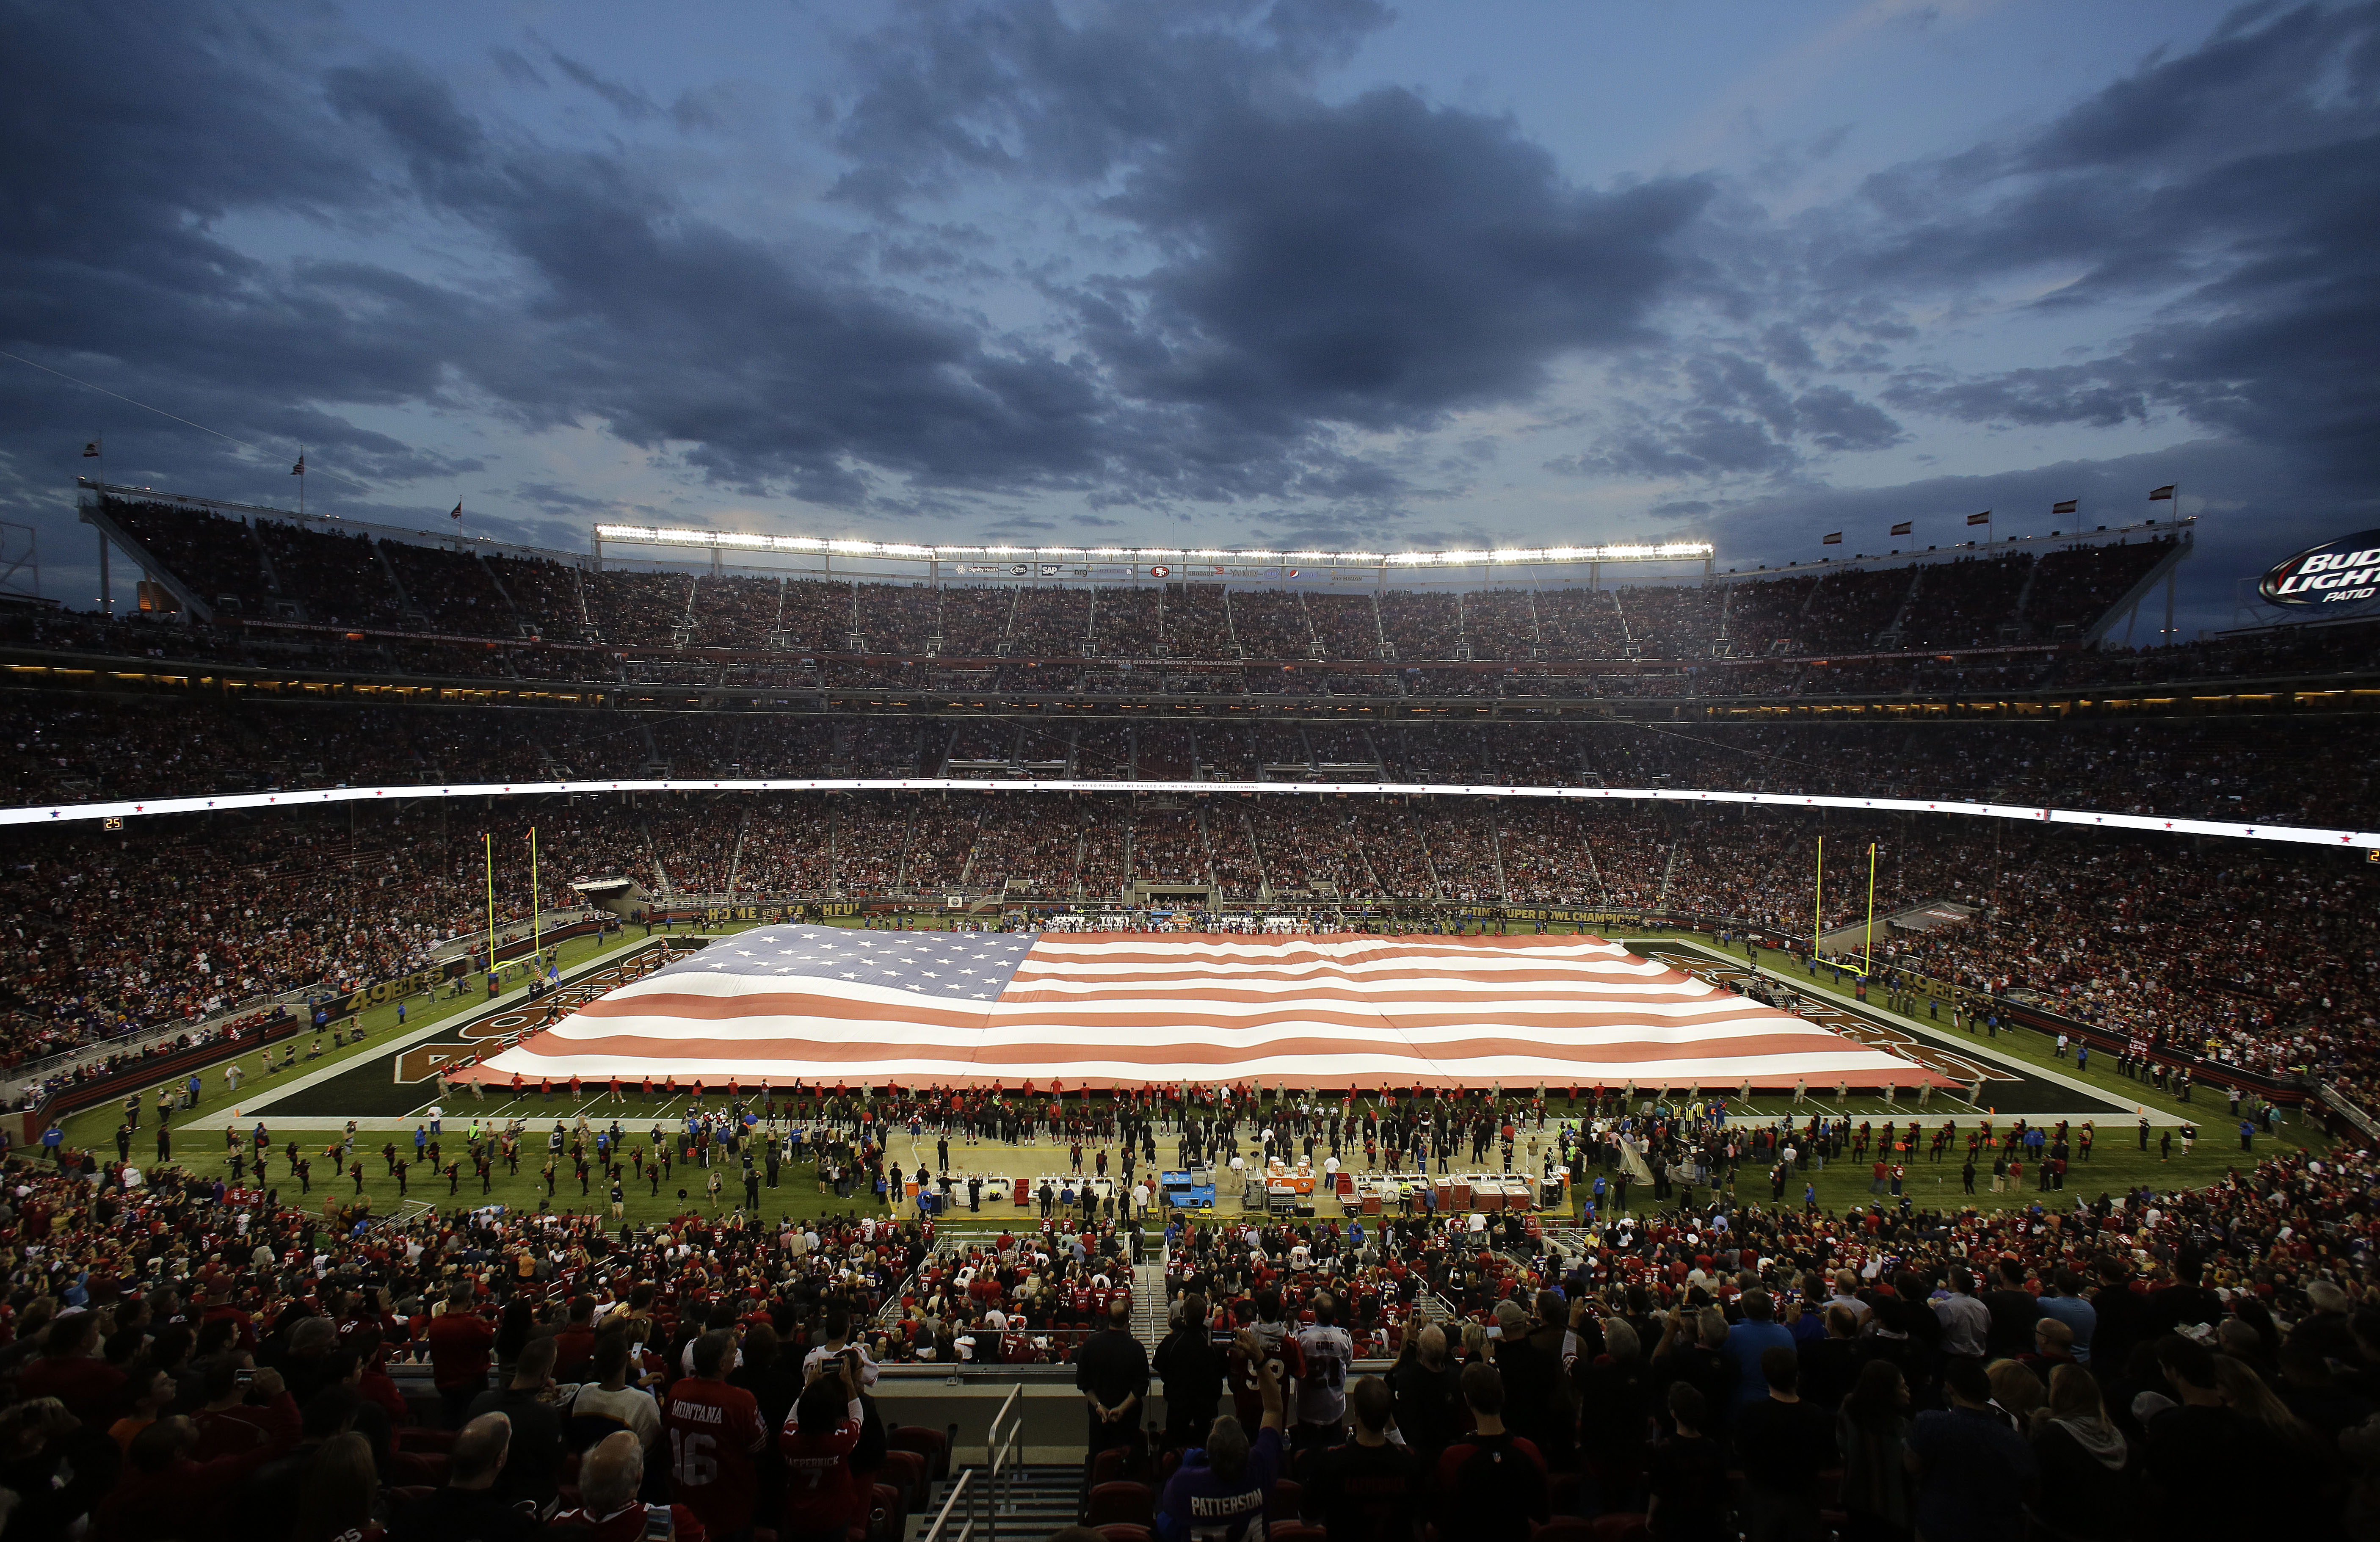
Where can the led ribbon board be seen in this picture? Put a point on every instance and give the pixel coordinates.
(65, 813)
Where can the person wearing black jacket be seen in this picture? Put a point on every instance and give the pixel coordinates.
(2013, 1310)
(1192, 1365)
(532, 1475)
(469, 1508)
(1424, 1387)
(1781, 1445)
(2125, 1320)
(1112, 1372)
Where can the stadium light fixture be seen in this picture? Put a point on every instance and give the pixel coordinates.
(749, 540)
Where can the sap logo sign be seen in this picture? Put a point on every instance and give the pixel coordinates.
(2345, 569)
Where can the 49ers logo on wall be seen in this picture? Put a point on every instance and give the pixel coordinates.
(2336, 572)
(1160, 572)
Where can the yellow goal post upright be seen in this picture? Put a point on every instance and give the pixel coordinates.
(1866, 966)
(488, 850)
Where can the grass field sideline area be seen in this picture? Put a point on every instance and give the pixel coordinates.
(2117, 1163)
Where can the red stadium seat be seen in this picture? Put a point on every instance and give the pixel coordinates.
(927, 1443)
(1125, 1531)
(1296, 1530)
(1112, 1465)
(1286, 1502)
(1626, 1527)
(1134, 1503)
(904, 1470)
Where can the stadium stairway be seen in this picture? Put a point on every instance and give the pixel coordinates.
(1040, 1499)
(1148, 1297)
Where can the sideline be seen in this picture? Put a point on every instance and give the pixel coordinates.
(246, 1109)
(1977, 1048)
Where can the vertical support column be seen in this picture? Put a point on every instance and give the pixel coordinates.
(106, 590)
(2172, 575)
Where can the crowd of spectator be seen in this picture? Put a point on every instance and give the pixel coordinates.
(2135, 1364)
(2258, 955)
(2297, 657)
(2301, 769)
(187, 1359)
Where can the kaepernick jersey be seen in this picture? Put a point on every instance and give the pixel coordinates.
(1247, 1385)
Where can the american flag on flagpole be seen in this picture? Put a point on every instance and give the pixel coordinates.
(1104, 1009)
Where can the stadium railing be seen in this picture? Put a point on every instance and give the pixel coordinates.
(2348, 1109)
(96, 1090)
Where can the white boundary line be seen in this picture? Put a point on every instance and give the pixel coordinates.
(1977, 1049)
(269, 1094)
(2298, 834)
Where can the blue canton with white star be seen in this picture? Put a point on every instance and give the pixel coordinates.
(938, 966)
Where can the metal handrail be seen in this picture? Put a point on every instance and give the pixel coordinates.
(999, 1457)
(934, 1532)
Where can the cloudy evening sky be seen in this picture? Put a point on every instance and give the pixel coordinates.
(1321, 273)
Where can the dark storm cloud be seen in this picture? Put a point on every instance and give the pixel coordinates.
(951, 92)
(112, 267)
(1304, 267)
(1252, 285)
(2238, 186)
(1377, 263)
(628, 101)
(1724, 413)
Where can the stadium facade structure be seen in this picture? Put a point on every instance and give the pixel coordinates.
(867, 625)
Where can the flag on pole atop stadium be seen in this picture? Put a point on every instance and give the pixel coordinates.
(1833, 540)
(2164, 492)
(456, 513)
(299, 469)
(1904, 527)
(1107, 1009)
(1983, 518)
(2069, 506)
(91, 450)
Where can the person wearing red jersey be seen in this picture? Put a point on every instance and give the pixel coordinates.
(459, 1345)
(1280, 1352)
(608, 1481)
(823, 1496)
(71, 1370)
(714, 1432)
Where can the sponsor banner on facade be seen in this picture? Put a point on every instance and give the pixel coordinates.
(2335, 573)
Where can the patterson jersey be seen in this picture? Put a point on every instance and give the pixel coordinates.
(1288, 1364)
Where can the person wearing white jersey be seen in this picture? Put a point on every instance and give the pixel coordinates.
(1329, 1354)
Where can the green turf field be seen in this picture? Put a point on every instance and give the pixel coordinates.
(200, 1144)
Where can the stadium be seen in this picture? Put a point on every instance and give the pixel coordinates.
(1326, 902)
(1307, 772)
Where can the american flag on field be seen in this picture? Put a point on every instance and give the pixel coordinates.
(1103, 1009)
